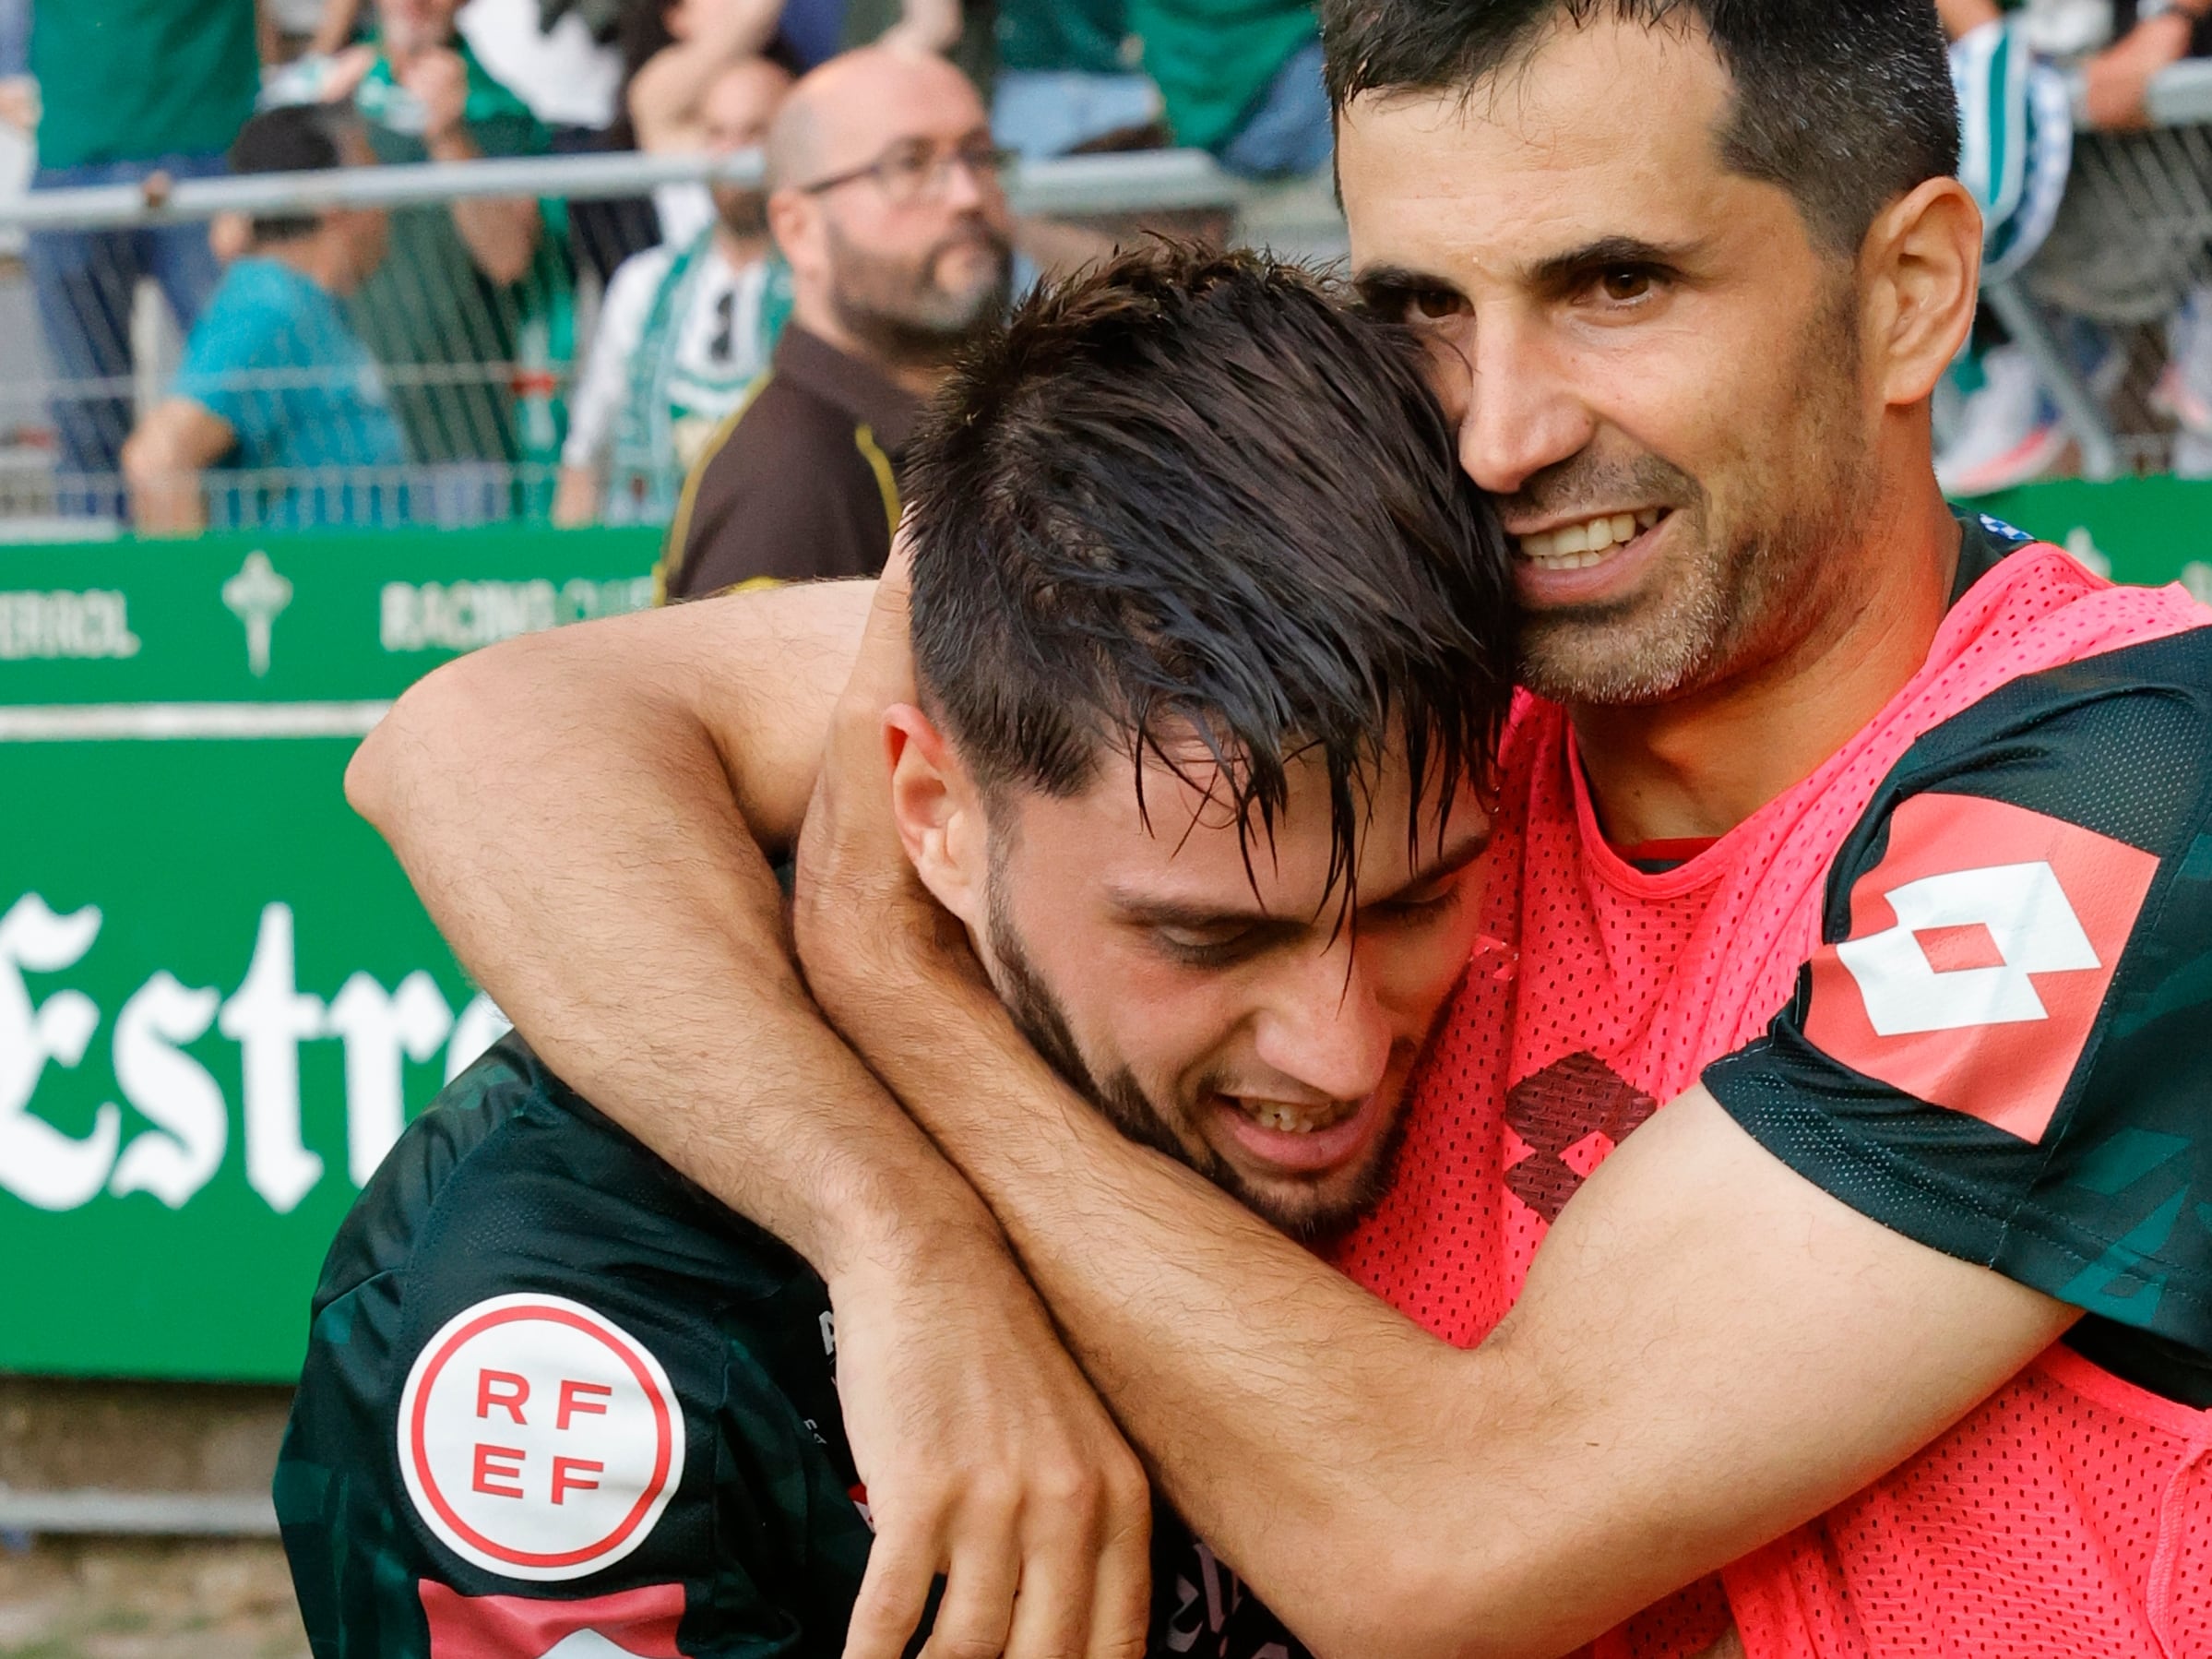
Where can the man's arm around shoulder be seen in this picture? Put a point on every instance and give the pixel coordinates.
(563, 805)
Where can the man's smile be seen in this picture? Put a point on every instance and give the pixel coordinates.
(1592, 558)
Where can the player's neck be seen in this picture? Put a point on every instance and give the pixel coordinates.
(1697, 766)
(739, 253)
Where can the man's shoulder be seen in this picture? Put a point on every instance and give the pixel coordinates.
(781, 490)
(509, 1160)
(1998, 1047)
(780, 440)
(636, 276)
(2122, 724)
(255, 300)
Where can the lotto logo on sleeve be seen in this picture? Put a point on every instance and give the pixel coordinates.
(1980, 950)
(539, 1440)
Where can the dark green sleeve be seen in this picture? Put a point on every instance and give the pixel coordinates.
(2003, 1046)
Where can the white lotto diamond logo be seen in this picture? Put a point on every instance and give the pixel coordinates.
(538, 1438)
(2030, 921)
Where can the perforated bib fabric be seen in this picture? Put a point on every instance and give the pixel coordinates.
(1599, 990)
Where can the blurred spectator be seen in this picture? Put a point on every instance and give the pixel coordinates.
(813, 30)
(1063, 76)
(1241, 78)
(885, 200)
(474, 305)
(964, 33)
(560, 58)
(568, 76)
(2152, 35)
(273, 380)
(685, 328)
(126, 89)
(1066, 81)
(667, 96)
(2098, 274)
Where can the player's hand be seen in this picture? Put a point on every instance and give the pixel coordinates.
(439, 81)
(988, 1460)
(987, 1456)
(2116, 82)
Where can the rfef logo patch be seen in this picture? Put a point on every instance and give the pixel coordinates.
(538, 1438)
(1982, 948)
(636, 1624)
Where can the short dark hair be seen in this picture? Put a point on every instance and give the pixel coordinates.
(299, 137)
(1846, 104)
(1191, 492)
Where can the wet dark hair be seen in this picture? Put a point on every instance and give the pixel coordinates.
(299, 137)
(1190, 492)
(1846, 104)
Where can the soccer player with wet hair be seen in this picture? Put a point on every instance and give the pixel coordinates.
(1799, 1246)
(1184, 654)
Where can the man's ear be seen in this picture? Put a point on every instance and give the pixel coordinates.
(1923, 260)
(938, 811)
(794, 223)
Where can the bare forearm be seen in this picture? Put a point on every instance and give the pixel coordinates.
(666, 94)
(169, 504)
(577, 841)
(1382, 1492)
(500, 234)
(1961, 17)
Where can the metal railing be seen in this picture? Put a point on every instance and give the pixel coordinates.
(2131, 246)
(432, 393)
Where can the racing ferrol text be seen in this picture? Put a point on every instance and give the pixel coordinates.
(187, 1122)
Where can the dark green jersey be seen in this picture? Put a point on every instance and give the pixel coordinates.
(557, 1399)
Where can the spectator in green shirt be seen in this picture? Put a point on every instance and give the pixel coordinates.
(1241, 78)
(1066, 80)
(128, 89)
(473, 295)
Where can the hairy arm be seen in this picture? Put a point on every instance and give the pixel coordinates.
(162, 461)
(564, 804)
(511, 783)
(665, 95)
(1709, 1349)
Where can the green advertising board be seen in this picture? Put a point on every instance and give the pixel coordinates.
(219, 1000)
(2151, 530)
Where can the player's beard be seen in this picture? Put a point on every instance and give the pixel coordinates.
(1039, 1015)
(1743, 592)
(901, 309)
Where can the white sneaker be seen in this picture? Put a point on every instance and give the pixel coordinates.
(2008, 433)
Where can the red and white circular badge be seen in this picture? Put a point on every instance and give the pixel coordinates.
(539, 1440)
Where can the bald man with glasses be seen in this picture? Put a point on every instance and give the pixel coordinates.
(886, 199)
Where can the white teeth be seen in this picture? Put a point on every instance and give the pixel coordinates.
(1576, 546)
(1289, 1120)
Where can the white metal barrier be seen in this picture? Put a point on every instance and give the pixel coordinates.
(475, 372)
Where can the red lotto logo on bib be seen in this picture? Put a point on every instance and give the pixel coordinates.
(538, 1438)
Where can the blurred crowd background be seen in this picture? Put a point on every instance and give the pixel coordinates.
(567, 355)
(557, 355)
